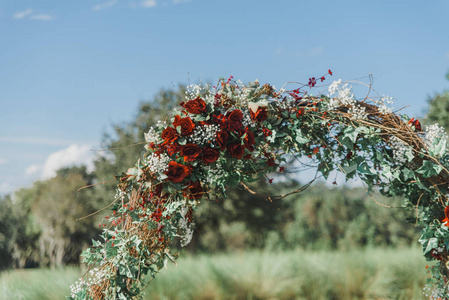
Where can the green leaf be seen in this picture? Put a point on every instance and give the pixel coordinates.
(386, 172)
(350, 169)
(300, 139)
(439, 149)
(408, 174)
(364, 168)
(432, 243)
(429, 169)
(325, 169)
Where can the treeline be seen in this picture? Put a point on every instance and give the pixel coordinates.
(46, 224)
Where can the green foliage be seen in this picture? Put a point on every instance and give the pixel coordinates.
(7, 232)
(438, 111)
(344, 218)
(48, 233)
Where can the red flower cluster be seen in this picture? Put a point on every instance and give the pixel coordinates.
(177, 172)
(416, 124)
(195, 106)
(234, 120)
(187, 125)
(260, 115)
(192, 152)
(210, 155)
(169, 135)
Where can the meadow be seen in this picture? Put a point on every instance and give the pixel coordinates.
(373, 273)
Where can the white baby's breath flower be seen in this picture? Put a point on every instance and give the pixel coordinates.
(204, 134)
(152, 136)
(340, 94)
(401, 151)
(157, 164)
(384, 104)
(357, 112)
(432, 133)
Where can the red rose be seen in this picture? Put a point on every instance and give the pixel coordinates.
(222, 138)
(236, 149)
(260, 115)
(195, 106)
(220, 120)
(169, 135)
(249, 140)
(187, 125)
(193, 190)
(271, 162)
(190, 152)
(177, 172)
(235, 118)
(210, 155)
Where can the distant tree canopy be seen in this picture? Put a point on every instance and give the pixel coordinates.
(438, 111)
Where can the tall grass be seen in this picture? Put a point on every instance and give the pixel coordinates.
(357, 274)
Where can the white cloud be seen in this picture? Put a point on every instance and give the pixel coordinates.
(73, 155)
(3, 161)
(149, 3)
(6, 188)
(33, 169)
(42, 17)
(105, 5)
(23, 14)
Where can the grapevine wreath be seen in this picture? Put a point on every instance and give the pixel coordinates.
(229, 134)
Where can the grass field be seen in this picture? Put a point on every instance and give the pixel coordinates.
(359, 274)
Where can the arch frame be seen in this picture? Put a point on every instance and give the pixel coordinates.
(231, 133)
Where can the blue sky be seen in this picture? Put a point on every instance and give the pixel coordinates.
(70, 69)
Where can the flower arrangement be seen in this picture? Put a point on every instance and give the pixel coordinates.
(231, 133)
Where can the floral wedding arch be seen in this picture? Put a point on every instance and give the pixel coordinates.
(229, 134)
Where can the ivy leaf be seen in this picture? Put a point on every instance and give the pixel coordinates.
(408, 174)
(432, 243)
(429, 169)
(325, 169)
(364, 168)
(350, 169)
(439, 149)
(300, 139)
(386, 172)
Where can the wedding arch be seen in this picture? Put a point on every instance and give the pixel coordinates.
(231, 133)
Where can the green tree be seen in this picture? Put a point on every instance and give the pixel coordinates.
(323, 218)
(438, 111)
(7, 230)
(47, 232)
